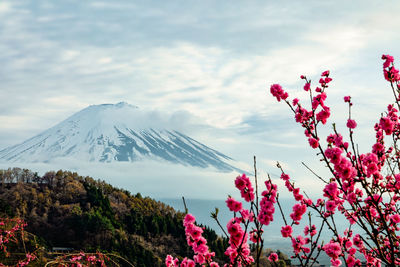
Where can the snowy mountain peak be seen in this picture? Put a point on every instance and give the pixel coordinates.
(118, 105)
(115, 132)
(123, 104)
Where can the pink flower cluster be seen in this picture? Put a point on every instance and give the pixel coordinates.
(278, 92)
(296, 191)
(358, 180)
(266, 214)
(363, 188)
(286, 231)
(299, 208)
(198, 243)
(239, 250)
(333, 250)
(310, 230)
(389, 71)
(174, 262)
(298, 211)
(238, 245)
(319, 112)
(10, 232)
(343, 166)
(351, 124)
(389, 123)
(84, 259)
(28, 258)
(299, 245)
(273, 257)
(255, 236)
(11, 229)
(347, 245)
(246, 189)
(233, 205)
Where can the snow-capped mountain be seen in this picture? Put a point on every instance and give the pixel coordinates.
(115, 132)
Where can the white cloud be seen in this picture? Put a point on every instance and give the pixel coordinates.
(232, 85)
(218, 70)
(109, 5)
(68, 55)
(5, 7)
(104, 60)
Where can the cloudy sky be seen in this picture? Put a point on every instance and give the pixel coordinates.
(211, 60)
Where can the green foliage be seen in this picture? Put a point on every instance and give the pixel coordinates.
(68, 210)
(6, 209)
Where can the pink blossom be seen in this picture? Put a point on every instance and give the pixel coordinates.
(336, 262)
(187, 263)
(244, 185)
(325, 73)
(395, 218)
(286, 231)
(267, 209)
(318, 100)
(333, 249)
(307, 87)
(285, 176)
(330, 206)
(386, 125)
(278, 92)
(255, 236)
(237, 235)
(306, 230)
(233, 205)
(313, 142)
(388, 60)
(358, 241)
(378, 148)
(298, 211)
(351, 124)
(331, 190)
(247, 215)
(310, 231)
(323, 115)
(351, 261)
(298, 243)
(273, 257)
(198, 243)
(171, 262)
(189, 219)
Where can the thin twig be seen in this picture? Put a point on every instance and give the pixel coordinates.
(316, 175)
(184, 204)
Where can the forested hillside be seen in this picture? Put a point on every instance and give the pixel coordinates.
(67, 210)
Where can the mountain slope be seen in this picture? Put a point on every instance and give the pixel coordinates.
(83, 214)
(115, 132)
